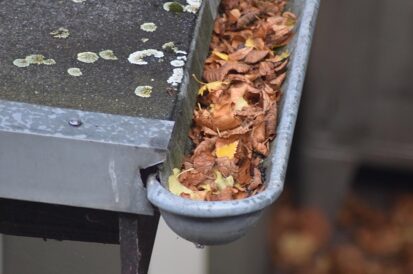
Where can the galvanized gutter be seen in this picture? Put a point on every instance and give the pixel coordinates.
(224, 221)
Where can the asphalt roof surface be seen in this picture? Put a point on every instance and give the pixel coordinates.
(107, 85)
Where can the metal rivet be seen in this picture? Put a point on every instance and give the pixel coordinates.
(75, 122)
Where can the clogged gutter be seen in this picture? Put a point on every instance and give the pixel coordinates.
(235, 116)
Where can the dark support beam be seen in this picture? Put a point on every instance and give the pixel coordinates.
(31, 219)
(136, 238)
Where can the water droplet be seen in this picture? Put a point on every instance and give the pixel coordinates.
(200, 246)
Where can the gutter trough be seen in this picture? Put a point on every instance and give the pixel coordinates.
(211, 223)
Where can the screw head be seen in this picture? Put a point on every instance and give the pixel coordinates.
(75, 122)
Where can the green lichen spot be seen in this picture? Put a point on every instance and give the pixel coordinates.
(173, 7)
(148, 27)
(108, 55)
(170, 46)
(35, 59)
(21, 63)
(60, 33)
(87, 57)
(74, 72)
(144, 40)
(49, 62)
(143, 91)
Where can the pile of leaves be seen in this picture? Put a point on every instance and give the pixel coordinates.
(368, 240)
(235, 117)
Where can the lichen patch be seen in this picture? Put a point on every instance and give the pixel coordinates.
(170, 46)
(87, 57)
(176, 77)
(108, 55)
(173, 7)
(137, 57)
(76, 72)
(177, 63)
(49, 62)
(182, 57)
(33, 59)
(21, 63)
(78, 1)
(143, 91)
(193, 6)
(148, 27)
(181, 52)
(61, 33)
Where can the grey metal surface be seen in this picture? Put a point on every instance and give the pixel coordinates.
(45, 159)
(196, 214)
(94, 25)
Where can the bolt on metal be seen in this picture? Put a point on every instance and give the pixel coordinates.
(75, 122)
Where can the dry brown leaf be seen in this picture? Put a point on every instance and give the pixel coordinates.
(226, 166)
(248, 18)
(204, 162)
(256, 180)
(256, 56)
(240, 54)
(219, 74)
(271, 121)
(224, 117)
(234, 15)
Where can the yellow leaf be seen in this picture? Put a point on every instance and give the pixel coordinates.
(206, 187)
(250, 43)
(211, 87)
(227, 150)
(175, 186)
(223, 183)
(239, 187)
(240, 103)
(199, 195)
(290, 22)
(221, 55)
(284, 55)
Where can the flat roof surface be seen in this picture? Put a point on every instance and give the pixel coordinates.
(107, 85)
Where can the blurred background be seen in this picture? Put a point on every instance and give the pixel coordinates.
(348, 204)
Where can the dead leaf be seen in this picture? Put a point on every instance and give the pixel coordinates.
(226, 166)
(221, 55)
(248, 18)
(240, 54)
(223, 183)
(211, 87)
(224, 117)
(223, 195)
(256, 180)
(227, 150)
(234, 15)
(218, 74)
(204, 162)
(175, 186)
(256, 56)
